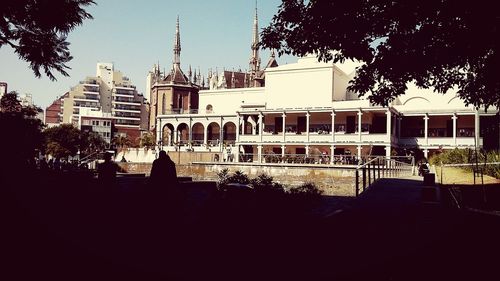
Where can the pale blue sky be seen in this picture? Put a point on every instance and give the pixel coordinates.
(136, 34)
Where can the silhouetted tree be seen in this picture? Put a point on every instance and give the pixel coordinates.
(91, 142)
(436, 44)
(62, 141)
(21, 133)
(121, 142)
(147, 141)
(37, 30)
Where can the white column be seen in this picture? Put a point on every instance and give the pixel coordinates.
(332, 150)
(333, 126)
(307, 125)
(237, 158)
(454, 118)
(176, 135)
(426, 153)
(307, 150)
(388, 151)
(261, 125)
(242, 119)
(388, 125)
(190, 132)
(158, 130)
(360, 114)
(259, 153)
(283, 151)
(284, 126)
(426, 126)
(476, 127)
(359, 154)
(238, 126)
(221, 134)
(205, 135)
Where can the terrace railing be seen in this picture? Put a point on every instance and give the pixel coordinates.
(380, 167)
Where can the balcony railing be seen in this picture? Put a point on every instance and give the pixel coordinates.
(181, 111)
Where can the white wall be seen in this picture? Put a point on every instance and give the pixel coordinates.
(229, 101)
(302, 84)
(137, 155)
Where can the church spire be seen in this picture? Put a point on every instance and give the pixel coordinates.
(255, 60)
(177, 45)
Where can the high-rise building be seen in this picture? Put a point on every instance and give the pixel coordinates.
(107, 92)
(53, 113)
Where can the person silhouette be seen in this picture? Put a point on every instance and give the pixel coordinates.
(163, 171)
(107, 170)
(165, 186)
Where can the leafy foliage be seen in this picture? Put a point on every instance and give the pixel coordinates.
(62, 141)
(122, 142)
(23, 132)
(37, 30)
(435, 44)
(464, 156)
(147, 141)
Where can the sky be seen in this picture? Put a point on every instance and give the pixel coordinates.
(134, 35)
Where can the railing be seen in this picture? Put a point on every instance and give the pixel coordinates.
(379, 167)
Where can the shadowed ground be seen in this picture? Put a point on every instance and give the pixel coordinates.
(87, 232)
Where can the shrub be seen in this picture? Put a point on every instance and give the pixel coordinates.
(307, 189)
(462, 156)
(265, 184)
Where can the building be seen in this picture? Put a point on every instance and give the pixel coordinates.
(53, 113)
(98, 122)
(3, 88)
(304, 109)
(107, 92)
(172, 92)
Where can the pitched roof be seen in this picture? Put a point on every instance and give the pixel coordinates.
(176, 76)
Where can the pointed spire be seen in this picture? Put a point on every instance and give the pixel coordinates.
(190, 74)
(195, 78)
(177, 44)
(255, 59)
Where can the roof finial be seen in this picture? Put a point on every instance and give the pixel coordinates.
(255, 60)
(177, 44)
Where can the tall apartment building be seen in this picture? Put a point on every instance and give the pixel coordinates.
(109, 91)
(53, 113)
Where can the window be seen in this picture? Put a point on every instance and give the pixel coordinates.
(209, 108)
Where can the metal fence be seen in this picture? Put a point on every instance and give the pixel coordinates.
(379, 167)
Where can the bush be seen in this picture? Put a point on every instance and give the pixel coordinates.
(307, 189)
(265, 184)
(464, 156)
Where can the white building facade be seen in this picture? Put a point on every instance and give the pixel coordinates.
(305, 110)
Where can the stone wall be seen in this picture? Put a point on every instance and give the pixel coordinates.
(335, 181)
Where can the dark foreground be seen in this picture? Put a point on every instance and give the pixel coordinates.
(64, 228)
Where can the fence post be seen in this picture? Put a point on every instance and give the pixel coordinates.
(364, 178)
(378, 164)
(357, 183)
(374, 171)
(369, 175)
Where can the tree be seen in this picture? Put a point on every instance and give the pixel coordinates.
(91, 142)
(147, 141)
(22, 133)
(122, 142)
(37, 30)
(62, 141)
(434, 44)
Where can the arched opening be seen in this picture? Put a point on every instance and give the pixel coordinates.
(183, 133)
(213, 133)
(198, 134)
(167, 134)
(229, 133)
